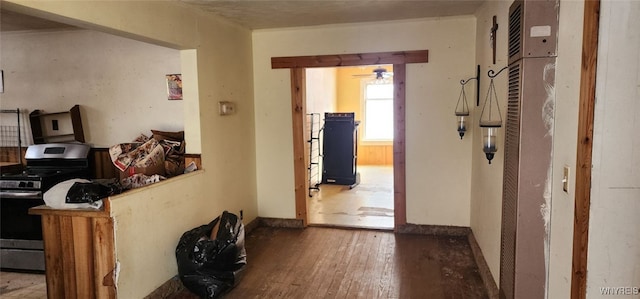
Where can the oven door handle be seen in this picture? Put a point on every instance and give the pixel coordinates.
(21, 194)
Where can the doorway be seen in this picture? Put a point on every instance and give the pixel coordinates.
(366, 92)
(297, 66)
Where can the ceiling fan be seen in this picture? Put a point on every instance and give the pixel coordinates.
(377, 73)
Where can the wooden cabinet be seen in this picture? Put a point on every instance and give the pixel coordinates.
(79, 247)
(54, 127)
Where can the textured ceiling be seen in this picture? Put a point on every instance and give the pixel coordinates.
(277, 14)
(264, 14)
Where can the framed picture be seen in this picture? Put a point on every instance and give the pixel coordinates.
(174, 86)
(1, 81)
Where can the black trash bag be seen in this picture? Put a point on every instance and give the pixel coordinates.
(93, 191)
(211, 267)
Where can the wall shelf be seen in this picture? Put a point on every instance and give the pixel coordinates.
(64, 126)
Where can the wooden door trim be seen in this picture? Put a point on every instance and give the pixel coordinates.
(584, 148)
(400, 57)
(298, 114)
(298, 111)
(399, 147)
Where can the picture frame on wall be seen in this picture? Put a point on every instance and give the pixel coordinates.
(1, 81)
(174, 86)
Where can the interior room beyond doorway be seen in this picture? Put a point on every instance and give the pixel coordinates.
(370, 202)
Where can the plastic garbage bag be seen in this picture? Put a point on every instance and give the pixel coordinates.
(56, 196)
(212, 257)
(90, 192)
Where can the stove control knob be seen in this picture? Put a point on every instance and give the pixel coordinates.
(29, 184)
(21, 185)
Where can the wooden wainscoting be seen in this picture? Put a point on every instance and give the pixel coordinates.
(195, 158)
(102, 167)
(10, 154)
(375, 155)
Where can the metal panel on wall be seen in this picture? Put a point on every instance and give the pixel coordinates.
(528, 148)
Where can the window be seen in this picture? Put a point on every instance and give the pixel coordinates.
(378, 111)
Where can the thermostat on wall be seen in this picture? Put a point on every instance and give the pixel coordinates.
(226, 108)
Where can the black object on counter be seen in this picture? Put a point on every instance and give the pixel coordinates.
(93, 191)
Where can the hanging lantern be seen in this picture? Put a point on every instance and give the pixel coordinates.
(462, 111)
(462, 107)
(490, 119)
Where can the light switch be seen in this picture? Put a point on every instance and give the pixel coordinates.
(226, 108)
(565, 179)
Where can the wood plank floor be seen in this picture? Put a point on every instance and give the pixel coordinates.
(341, 263)
(367, 205)
(22, 286)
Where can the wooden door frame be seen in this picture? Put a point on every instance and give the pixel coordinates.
(298, 64)
(584, 148)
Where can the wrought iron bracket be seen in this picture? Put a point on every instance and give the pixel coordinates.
(477, 78)
(493, 74)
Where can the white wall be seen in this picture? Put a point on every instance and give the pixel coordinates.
(486, 201)
(119, 83)
(568, 66)
(321, 90)
(438, 162)
(486, 183)
(614, 239)
(150, 221)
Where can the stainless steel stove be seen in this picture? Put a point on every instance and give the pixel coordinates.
(21, 246)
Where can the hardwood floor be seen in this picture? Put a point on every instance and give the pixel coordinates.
(22, 285)
(319, 262)
(322, 262)
(367, 205)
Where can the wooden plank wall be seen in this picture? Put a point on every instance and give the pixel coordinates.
(99, 161)
(102, 167)
(79, 253)
(10, 154)
(375, 155)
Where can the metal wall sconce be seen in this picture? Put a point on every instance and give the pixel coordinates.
(490, 118)
(462, 108)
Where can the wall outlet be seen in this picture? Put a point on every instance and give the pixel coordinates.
(226, 108)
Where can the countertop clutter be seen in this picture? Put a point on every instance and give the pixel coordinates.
(147, 160)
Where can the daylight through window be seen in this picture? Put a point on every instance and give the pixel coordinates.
(378, 112)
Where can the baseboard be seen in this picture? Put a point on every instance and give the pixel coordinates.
(281, 222)
(167, 289)
(485, 272)
(435, 230)
(249, 227)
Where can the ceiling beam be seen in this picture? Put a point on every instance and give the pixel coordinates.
(402, 57)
